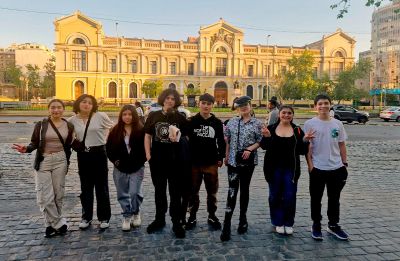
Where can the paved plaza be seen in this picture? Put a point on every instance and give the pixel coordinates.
(370, 212)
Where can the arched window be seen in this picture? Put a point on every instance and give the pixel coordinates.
(79, 88)
(339, 54)
(265, 92)
(78, 41)
(133, 90)
(172, 86)
(112, 90)
(249, 91)
(221, 49)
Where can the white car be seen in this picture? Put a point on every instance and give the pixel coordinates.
(157, 107)
(392, 113)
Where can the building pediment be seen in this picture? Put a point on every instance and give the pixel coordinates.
(220, 25)
(77, 16)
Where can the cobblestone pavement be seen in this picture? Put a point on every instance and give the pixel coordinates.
(370, 214)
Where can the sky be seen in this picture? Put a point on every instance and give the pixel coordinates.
(290, 23)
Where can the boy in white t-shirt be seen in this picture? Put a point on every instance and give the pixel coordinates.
(327, 164)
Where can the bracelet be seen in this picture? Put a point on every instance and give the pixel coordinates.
(248, 150)
(345, 164)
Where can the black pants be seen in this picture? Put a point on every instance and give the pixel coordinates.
(93, 174)
(238, 176)
(334, 180)
(177, 176)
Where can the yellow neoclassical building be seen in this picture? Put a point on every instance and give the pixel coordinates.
(217, 61)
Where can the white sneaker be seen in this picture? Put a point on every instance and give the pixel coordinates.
(126, 224)
(289, 230)
(280, 230)
(104, 224)
(136, 221)
(84, 224)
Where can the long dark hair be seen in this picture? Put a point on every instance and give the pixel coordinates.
(118, 130)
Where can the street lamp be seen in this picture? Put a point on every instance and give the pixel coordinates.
(268, 67)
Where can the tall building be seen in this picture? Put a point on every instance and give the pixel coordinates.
(32, 53)
(7, 59)
(217, 61)
(385, 46)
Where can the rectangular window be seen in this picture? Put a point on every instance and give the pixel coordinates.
(267, 71)
(250, 71)
(153, 67)
(283, 69)
(79, 61)
(221, 67)
(113, 65)
(190, 68)
(133, 65)
(172, 67)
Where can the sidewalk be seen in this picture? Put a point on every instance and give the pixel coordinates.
(370, 214)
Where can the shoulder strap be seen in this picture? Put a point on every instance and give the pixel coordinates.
(238, 131)
(86, 128)
(57, 132)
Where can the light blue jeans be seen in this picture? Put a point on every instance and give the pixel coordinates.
(129, 191)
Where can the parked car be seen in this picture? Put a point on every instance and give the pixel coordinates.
(146, 103)
(349, 114)
(156, 107)
(392, 113)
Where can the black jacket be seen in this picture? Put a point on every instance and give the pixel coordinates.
(206, 139)
(38, 141)
(118, 154)
(268, 144)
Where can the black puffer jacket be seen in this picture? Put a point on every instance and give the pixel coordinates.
(268, 144)
(38, 141)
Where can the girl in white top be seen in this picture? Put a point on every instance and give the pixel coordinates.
(92, 162)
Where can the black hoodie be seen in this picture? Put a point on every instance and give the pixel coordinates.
(206, 139)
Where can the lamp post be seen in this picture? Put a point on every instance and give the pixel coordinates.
(118, 65)
(268, 67)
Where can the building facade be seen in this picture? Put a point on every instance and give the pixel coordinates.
(7, 59)
(385, 46)
(216, 61)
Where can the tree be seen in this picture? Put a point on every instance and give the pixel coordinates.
(49, 79)
(152, 88)
(299, 79)
(345, 88)
(32, 76)
(343, 6)
(192, 91)
(13, 74)
(323, 85)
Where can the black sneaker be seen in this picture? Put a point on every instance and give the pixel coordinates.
(338, 232)
(191, 222)
(155, 226)
(226, 233)
(316, 232)
(179, 230)
(50, 232)
(243, 226)
(214, 222)
(62, 230)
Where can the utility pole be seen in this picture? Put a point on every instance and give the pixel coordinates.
(268, 67)
(118, 65)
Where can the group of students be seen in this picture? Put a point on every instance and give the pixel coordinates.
(181, 154)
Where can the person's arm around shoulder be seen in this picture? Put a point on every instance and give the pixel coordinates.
(220, 142)
(107, 123)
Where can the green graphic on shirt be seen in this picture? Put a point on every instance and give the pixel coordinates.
(335, 133)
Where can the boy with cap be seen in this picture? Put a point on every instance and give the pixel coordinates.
(273, 111)
(207, 147)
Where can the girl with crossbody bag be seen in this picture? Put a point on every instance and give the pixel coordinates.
(51, 138)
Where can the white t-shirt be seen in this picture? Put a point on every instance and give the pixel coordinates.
(97, 131)
(325, 145)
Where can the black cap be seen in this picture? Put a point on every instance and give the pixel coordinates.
(207, 97)
(274, 101)
(242, 101)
